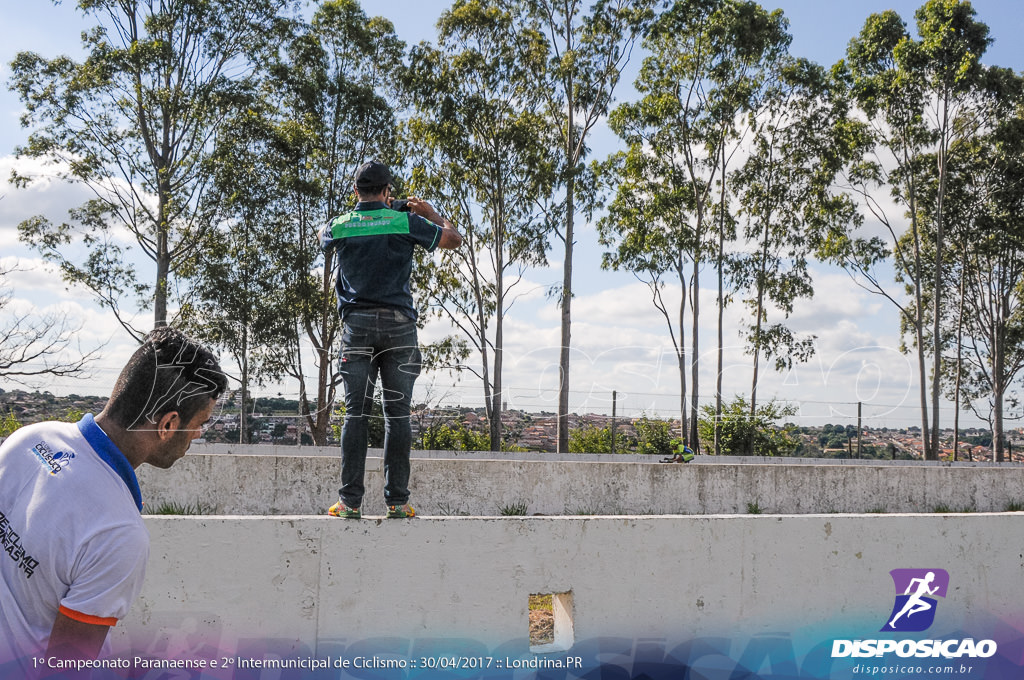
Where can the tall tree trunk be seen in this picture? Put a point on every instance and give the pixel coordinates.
(694, 356)
(684, 431)
(998, 383)
(562, 445)
(938, 280)
(759, 315)
(243, 427)
(928, 451)
(720, 364)
(566, 337)
(997, 420)
(959, 356)
(163, 258)
(499, 342)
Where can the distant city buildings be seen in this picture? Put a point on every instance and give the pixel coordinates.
(524, 431)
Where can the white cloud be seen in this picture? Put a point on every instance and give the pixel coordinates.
(88, 329)
(47, 195)
(37, 280)
(620, 343)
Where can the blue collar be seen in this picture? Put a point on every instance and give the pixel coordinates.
(111, 455)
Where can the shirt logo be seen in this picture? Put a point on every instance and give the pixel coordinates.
(52, 461)
(916, 592)
(10, 543)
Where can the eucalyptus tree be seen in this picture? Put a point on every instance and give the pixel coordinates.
(708, 64)
(917, 97)
(586, 52)
(334, 87)
(483, 149)
(952, 43)
(135, 123)
(788, 205)
(984, 204)
(236, 282)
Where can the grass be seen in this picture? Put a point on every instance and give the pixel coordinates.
(519, 508)
(583, 510)
(450, 510)
(172, 508)
(946, 510)
(540, 602)
(542, 619)
(754, 508)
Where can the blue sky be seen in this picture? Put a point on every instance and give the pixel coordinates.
(619, 340)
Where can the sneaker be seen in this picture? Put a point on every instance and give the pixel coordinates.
(340, 510)
(400, 511)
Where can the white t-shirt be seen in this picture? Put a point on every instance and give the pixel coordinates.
(71, 535)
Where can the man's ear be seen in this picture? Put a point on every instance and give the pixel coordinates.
(168, 425)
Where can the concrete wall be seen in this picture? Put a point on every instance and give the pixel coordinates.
(307, 485)
(316, 585)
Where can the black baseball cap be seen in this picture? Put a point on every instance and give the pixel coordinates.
(372, 174)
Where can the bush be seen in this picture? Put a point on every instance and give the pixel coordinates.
(9, 424)
(454, 437)
(654, 437)
(741, 434)
(593, 439)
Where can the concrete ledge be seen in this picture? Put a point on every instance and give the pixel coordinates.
(316, 585)
(307, 485)
(333, 452)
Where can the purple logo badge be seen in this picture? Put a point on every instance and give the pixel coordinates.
(916, 590)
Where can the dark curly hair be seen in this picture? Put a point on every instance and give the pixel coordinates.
(169, 372)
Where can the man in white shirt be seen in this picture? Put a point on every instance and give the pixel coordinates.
(73, 547)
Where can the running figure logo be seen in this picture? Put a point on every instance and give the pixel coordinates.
(916, 589)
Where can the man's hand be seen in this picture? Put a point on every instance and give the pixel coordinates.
(424, 209)
(450, 236)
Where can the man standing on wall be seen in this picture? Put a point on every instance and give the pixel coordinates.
(74, 547)
(374, 246)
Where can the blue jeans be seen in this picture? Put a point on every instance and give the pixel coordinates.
(376, 342)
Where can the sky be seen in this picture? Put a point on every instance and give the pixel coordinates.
(620, 342)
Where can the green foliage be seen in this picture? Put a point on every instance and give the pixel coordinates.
(593, 439)
(588, 510)
(754, 508)
(237, 280)
(173, 508)
(453, 437)
(586, 48)
(654, 437)
(9, 424)
(917, 100)
(118, 123)
(486, 153)
(668, 214)
(375, 427)
(72, 415)
(326, 103)
(743, 434)
(943, 509)
(788, 205)
(518, 508)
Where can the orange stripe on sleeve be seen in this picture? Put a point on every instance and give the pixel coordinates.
(86, 618)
